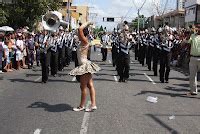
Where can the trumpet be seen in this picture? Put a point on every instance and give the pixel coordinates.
(52, 20)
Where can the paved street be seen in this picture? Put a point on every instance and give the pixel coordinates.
(29, 107)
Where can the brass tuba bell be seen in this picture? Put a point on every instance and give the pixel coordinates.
(52, 20)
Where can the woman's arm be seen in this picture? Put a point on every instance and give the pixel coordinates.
(82, 37)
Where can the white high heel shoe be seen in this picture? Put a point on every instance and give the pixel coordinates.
(91, 109)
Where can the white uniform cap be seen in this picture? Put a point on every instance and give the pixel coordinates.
(61, 28)
(167, 28)
(160, 30)
(153, 29)
(19, 34)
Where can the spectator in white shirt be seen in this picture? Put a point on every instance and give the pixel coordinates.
(19, 45)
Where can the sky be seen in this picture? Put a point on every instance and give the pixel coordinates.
(121, 8)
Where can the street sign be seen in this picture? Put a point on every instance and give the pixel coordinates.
(109, 19)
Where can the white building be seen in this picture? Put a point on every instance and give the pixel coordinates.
(192, 12)
(180, 4)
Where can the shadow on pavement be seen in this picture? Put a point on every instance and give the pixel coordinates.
(23, 80)
(51, 108)
(107, 70)
(167, 94)
(167, 127)
(1, 77)
(50, 80)
(139, 80)
(30, 75)
(31, 81)
(100, 79)
(181, 79)
(100, 74)
(181, 70)
(176, 89)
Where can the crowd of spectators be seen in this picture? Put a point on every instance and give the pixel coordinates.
(14, 50)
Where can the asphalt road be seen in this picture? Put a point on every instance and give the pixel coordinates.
(29, 107)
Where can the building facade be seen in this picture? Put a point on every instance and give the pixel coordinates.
(180, 4)
(175, 19)
(192, 12)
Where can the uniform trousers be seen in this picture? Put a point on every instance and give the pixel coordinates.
(45, 61)
(142, 53)
(61, 58)
(136, 51)
(149, 56)
(165, 58)
(123, 66)
(104, 52)
(38, 56)
(54, 62)
(155, 60)
(114, 54)
(68, 55)
(74, 58)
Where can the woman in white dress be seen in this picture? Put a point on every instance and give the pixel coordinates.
(85, 70)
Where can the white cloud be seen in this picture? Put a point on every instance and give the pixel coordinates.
(119, 8)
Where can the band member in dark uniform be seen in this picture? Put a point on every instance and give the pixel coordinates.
(142, 48)
(123, 62)
(61, 49)
(150, 48)
(156, 51)
(114, 48)
(165, 55)
(54, 54)
(45, 55)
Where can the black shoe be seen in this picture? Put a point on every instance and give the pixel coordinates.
(54, 75)
(120, 80)
(166, 81)
(192, 94)
(125, 80)
(43, 82)
(162, 81)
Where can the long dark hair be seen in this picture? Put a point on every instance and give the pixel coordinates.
(86, 31)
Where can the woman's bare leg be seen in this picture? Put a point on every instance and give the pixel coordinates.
(90, 85)
(83, 86)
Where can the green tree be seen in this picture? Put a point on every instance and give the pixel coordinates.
(142, 21)
(101, 29)
(3, 17)
(27, 12)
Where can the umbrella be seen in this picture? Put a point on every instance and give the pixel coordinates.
(6, 29)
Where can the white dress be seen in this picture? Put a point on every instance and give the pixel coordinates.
(85, 66)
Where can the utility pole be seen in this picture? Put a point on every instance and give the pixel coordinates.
(139, 9)
(68, 14)
(138, 27)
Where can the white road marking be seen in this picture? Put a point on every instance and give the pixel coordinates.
(38, 79)
(37, 131)
(115, 77)
(99, 54)
(149, 78)
(85, 123)
(109, 61)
